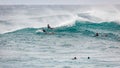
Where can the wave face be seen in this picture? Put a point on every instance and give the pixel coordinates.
(111, 29)
(24, 45)
(14, 17)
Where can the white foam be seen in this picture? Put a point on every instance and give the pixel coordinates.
(37, 17)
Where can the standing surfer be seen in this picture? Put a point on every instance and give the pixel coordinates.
(49, 27)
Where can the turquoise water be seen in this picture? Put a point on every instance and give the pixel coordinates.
(24, 45)
(26, 48)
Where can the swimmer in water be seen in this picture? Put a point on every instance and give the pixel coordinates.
(74, 58)
(96, 35)
(88, 57)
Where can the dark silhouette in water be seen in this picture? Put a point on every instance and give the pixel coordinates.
(74, 58)
(88, 57)
(96, 34)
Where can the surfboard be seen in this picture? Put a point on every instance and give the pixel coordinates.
(39, 31)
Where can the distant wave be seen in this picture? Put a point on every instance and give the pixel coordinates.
(111, 29)
(16, 17)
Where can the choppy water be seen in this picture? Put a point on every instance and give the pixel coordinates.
(27, 48)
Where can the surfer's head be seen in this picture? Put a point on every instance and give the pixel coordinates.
(96, 34)
(88, 57)
(74, 58)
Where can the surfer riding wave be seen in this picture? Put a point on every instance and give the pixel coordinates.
(49, 28)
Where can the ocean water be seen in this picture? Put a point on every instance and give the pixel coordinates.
(24, 45)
